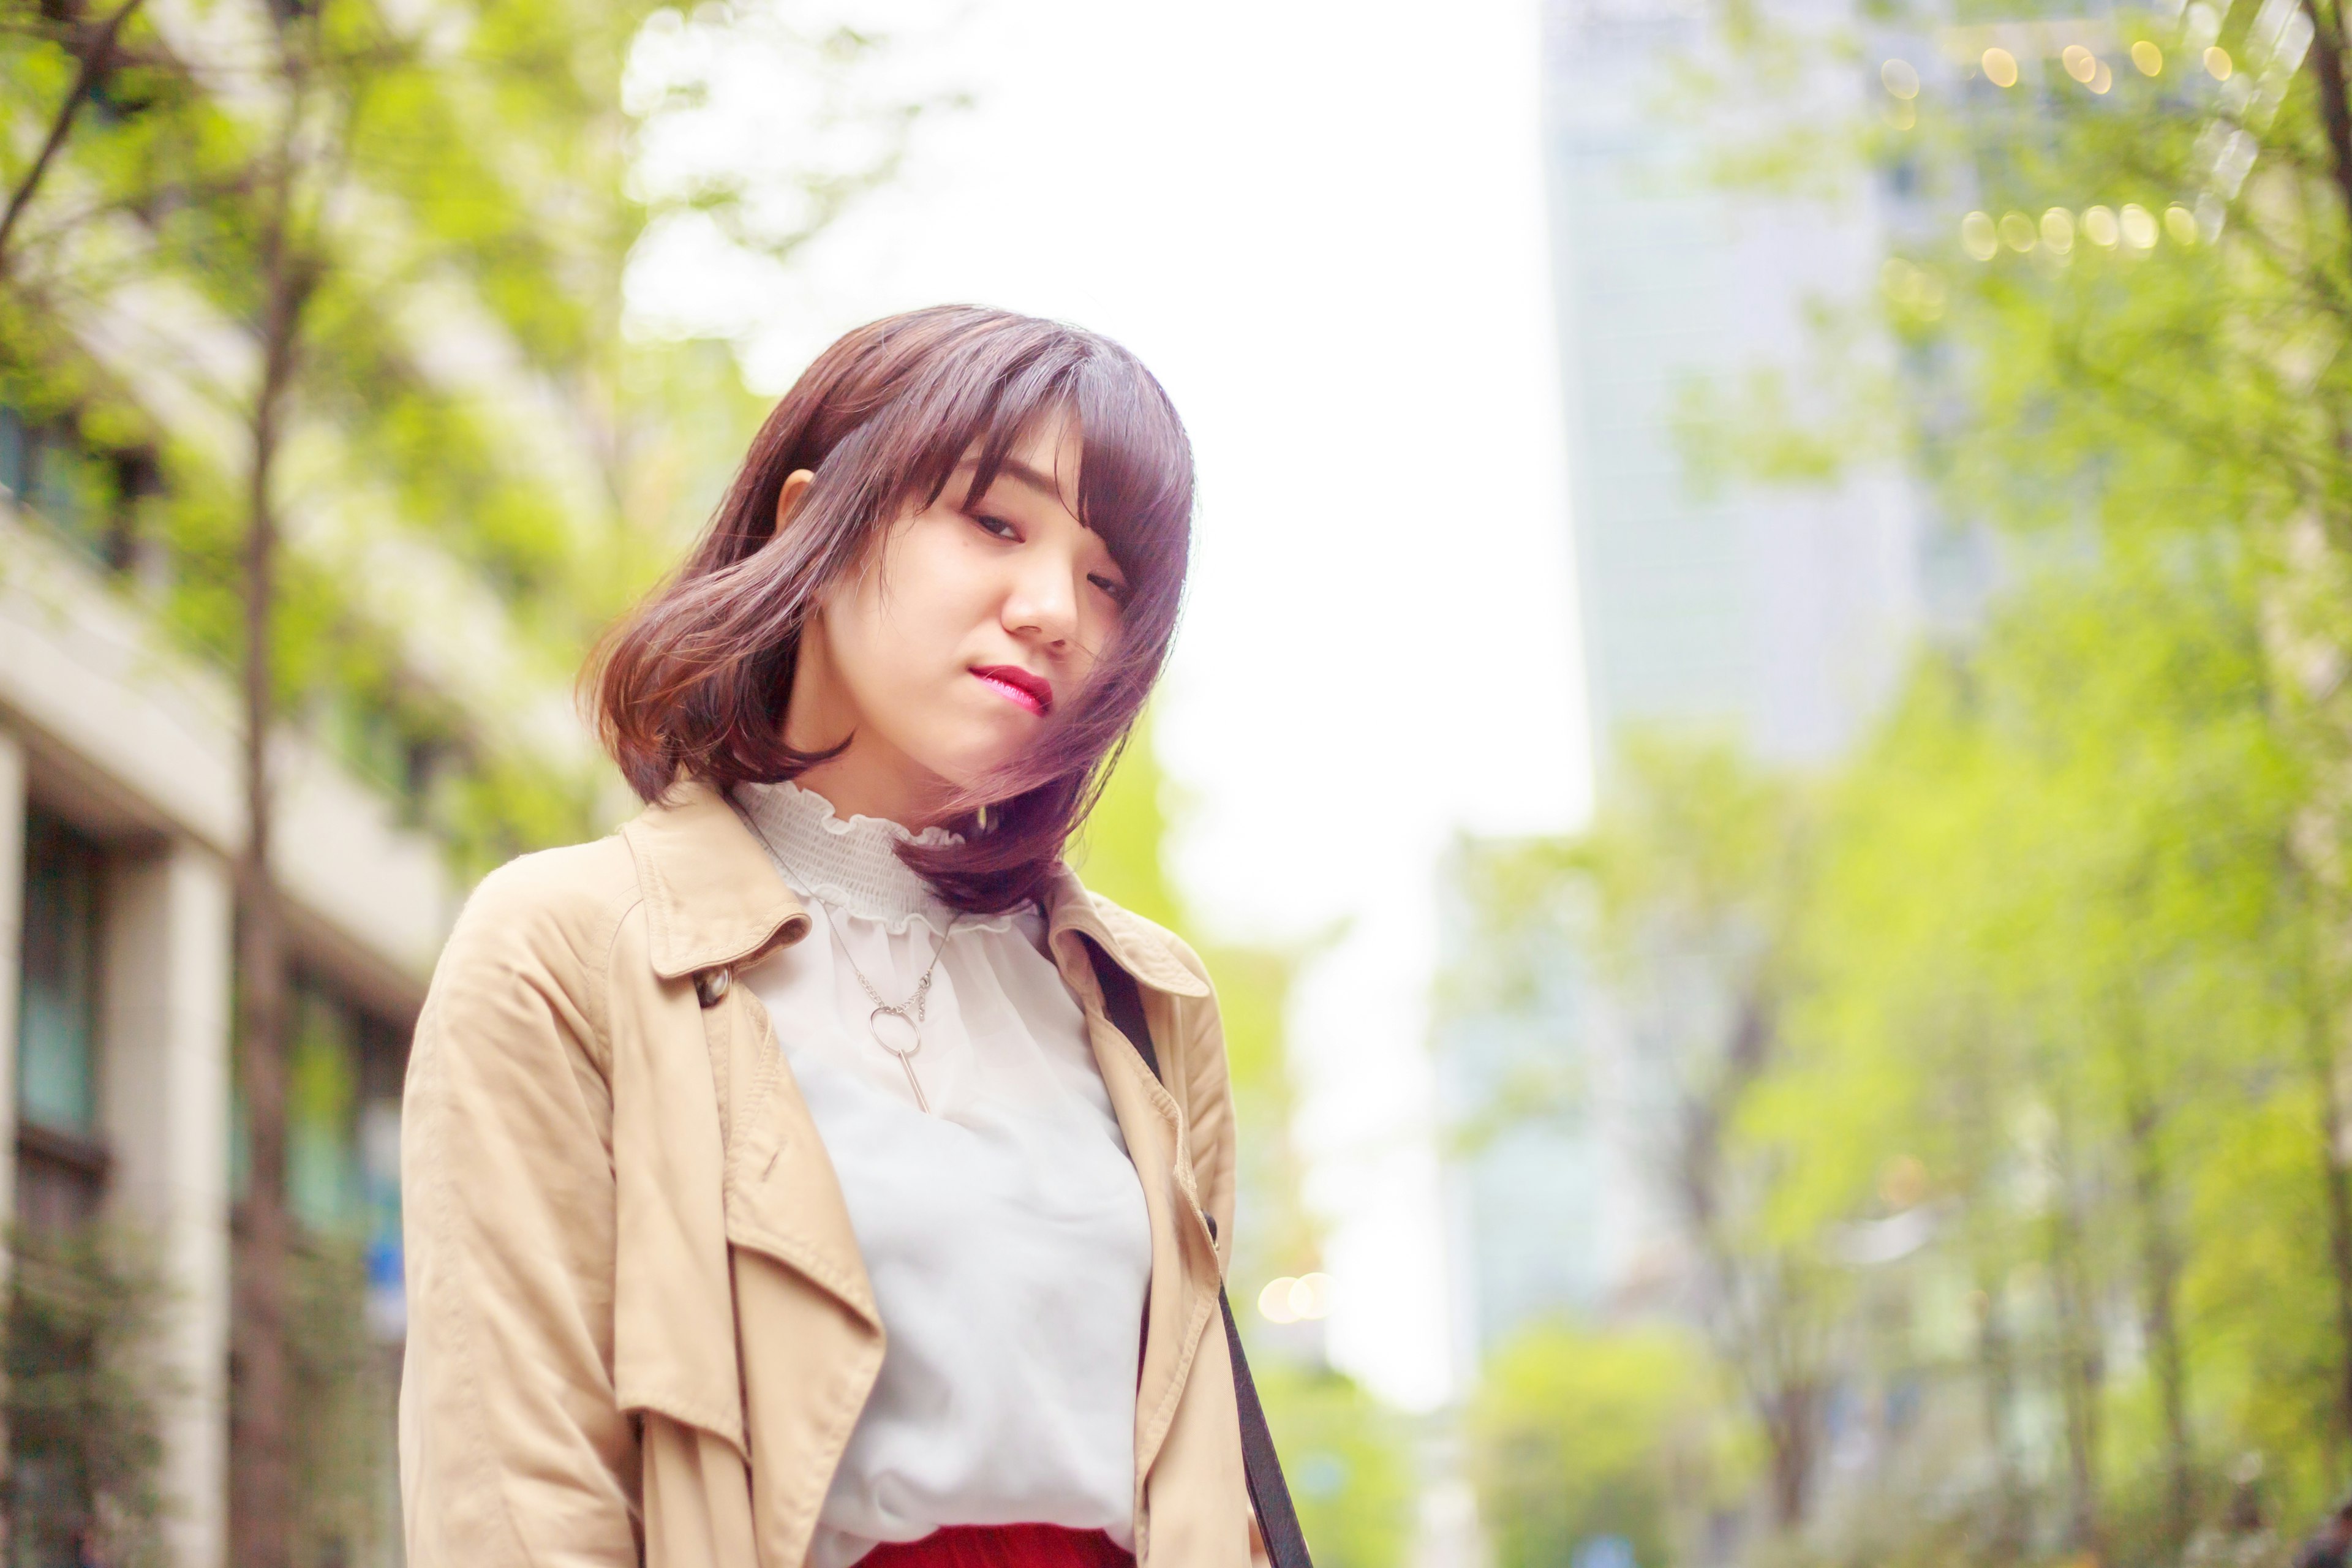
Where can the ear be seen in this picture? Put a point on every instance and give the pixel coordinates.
(788, 500)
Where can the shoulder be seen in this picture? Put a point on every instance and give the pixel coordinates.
(520, 994)
(554, 886)
(555, 908)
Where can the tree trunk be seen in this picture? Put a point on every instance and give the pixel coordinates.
(261, 1491)
(1793, 1418)
(1970, 1067)
(1997, 1365)
(2335, 109)
(1756, 1315)
(1749, 1318)
(2080, 1368)
(2337, 1184)
(2079, 1375)
(2160, 1272)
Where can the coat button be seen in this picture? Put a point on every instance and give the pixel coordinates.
(711, 985)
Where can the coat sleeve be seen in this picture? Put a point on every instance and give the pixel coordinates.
(513, 1448)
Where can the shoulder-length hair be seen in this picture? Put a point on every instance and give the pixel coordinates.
(694, 681)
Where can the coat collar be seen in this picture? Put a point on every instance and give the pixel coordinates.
(1134, 943)
(713, 898)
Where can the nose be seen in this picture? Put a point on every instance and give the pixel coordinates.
(1043, 606)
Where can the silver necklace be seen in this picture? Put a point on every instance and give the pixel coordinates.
(897, 1027)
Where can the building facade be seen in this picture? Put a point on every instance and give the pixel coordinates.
(1523, 1193)
(120, 817)
(1781, 614)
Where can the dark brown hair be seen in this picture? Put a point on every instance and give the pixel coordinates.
(694, 681)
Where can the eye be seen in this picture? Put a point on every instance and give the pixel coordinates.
(1111, 586)
(996, 527)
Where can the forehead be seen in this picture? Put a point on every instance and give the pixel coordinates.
(1042, 465)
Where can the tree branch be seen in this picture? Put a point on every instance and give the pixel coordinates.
(2335, 110)
(94, 63)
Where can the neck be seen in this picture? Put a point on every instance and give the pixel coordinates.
(859, 784)
(871, 777)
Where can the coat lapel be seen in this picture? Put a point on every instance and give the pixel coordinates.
(783, 1198)
(713, 901)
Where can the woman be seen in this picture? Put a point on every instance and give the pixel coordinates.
(781, 1185)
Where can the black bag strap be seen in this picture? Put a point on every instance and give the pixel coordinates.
(1278, 1522)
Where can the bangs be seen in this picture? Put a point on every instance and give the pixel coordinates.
(1135, 462)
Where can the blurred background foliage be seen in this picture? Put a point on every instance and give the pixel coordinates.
(478, 468)
(83, 1388)
(1579, 1435)
(2003, 1106)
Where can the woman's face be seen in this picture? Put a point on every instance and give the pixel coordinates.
(940, 660)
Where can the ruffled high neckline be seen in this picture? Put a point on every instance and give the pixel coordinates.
(850, 864)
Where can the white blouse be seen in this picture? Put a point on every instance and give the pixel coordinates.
(1003, 1231)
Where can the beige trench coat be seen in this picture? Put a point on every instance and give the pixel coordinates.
(639, 1327)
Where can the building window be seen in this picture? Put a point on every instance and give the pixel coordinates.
(321, 1169)
(46, 470)
(61, 1164)
(343, 1138)
(89, 495)
(16, 452)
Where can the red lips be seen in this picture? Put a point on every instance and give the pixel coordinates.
(1017, 686)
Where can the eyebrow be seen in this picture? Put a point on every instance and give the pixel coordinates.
(1015, 469)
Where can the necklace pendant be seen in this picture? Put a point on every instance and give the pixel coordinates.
(895, 1032)
(902, 1037)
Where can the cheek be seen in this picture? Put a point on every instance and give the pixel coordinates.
(901, 639)
(884, 660)
(935, 608)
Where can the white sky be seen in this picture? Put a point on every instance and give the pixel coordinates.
(1321, 224)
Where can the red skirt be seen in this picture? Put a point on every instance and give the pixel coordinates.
(1001, 1546)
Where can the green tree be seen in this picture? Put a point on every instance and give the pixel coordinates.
(82, 1394)
(1347, 1460)
(2056, 958)
(2084, 895)
(1578, 1434)
(1695, 867)
(2026, 1125)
